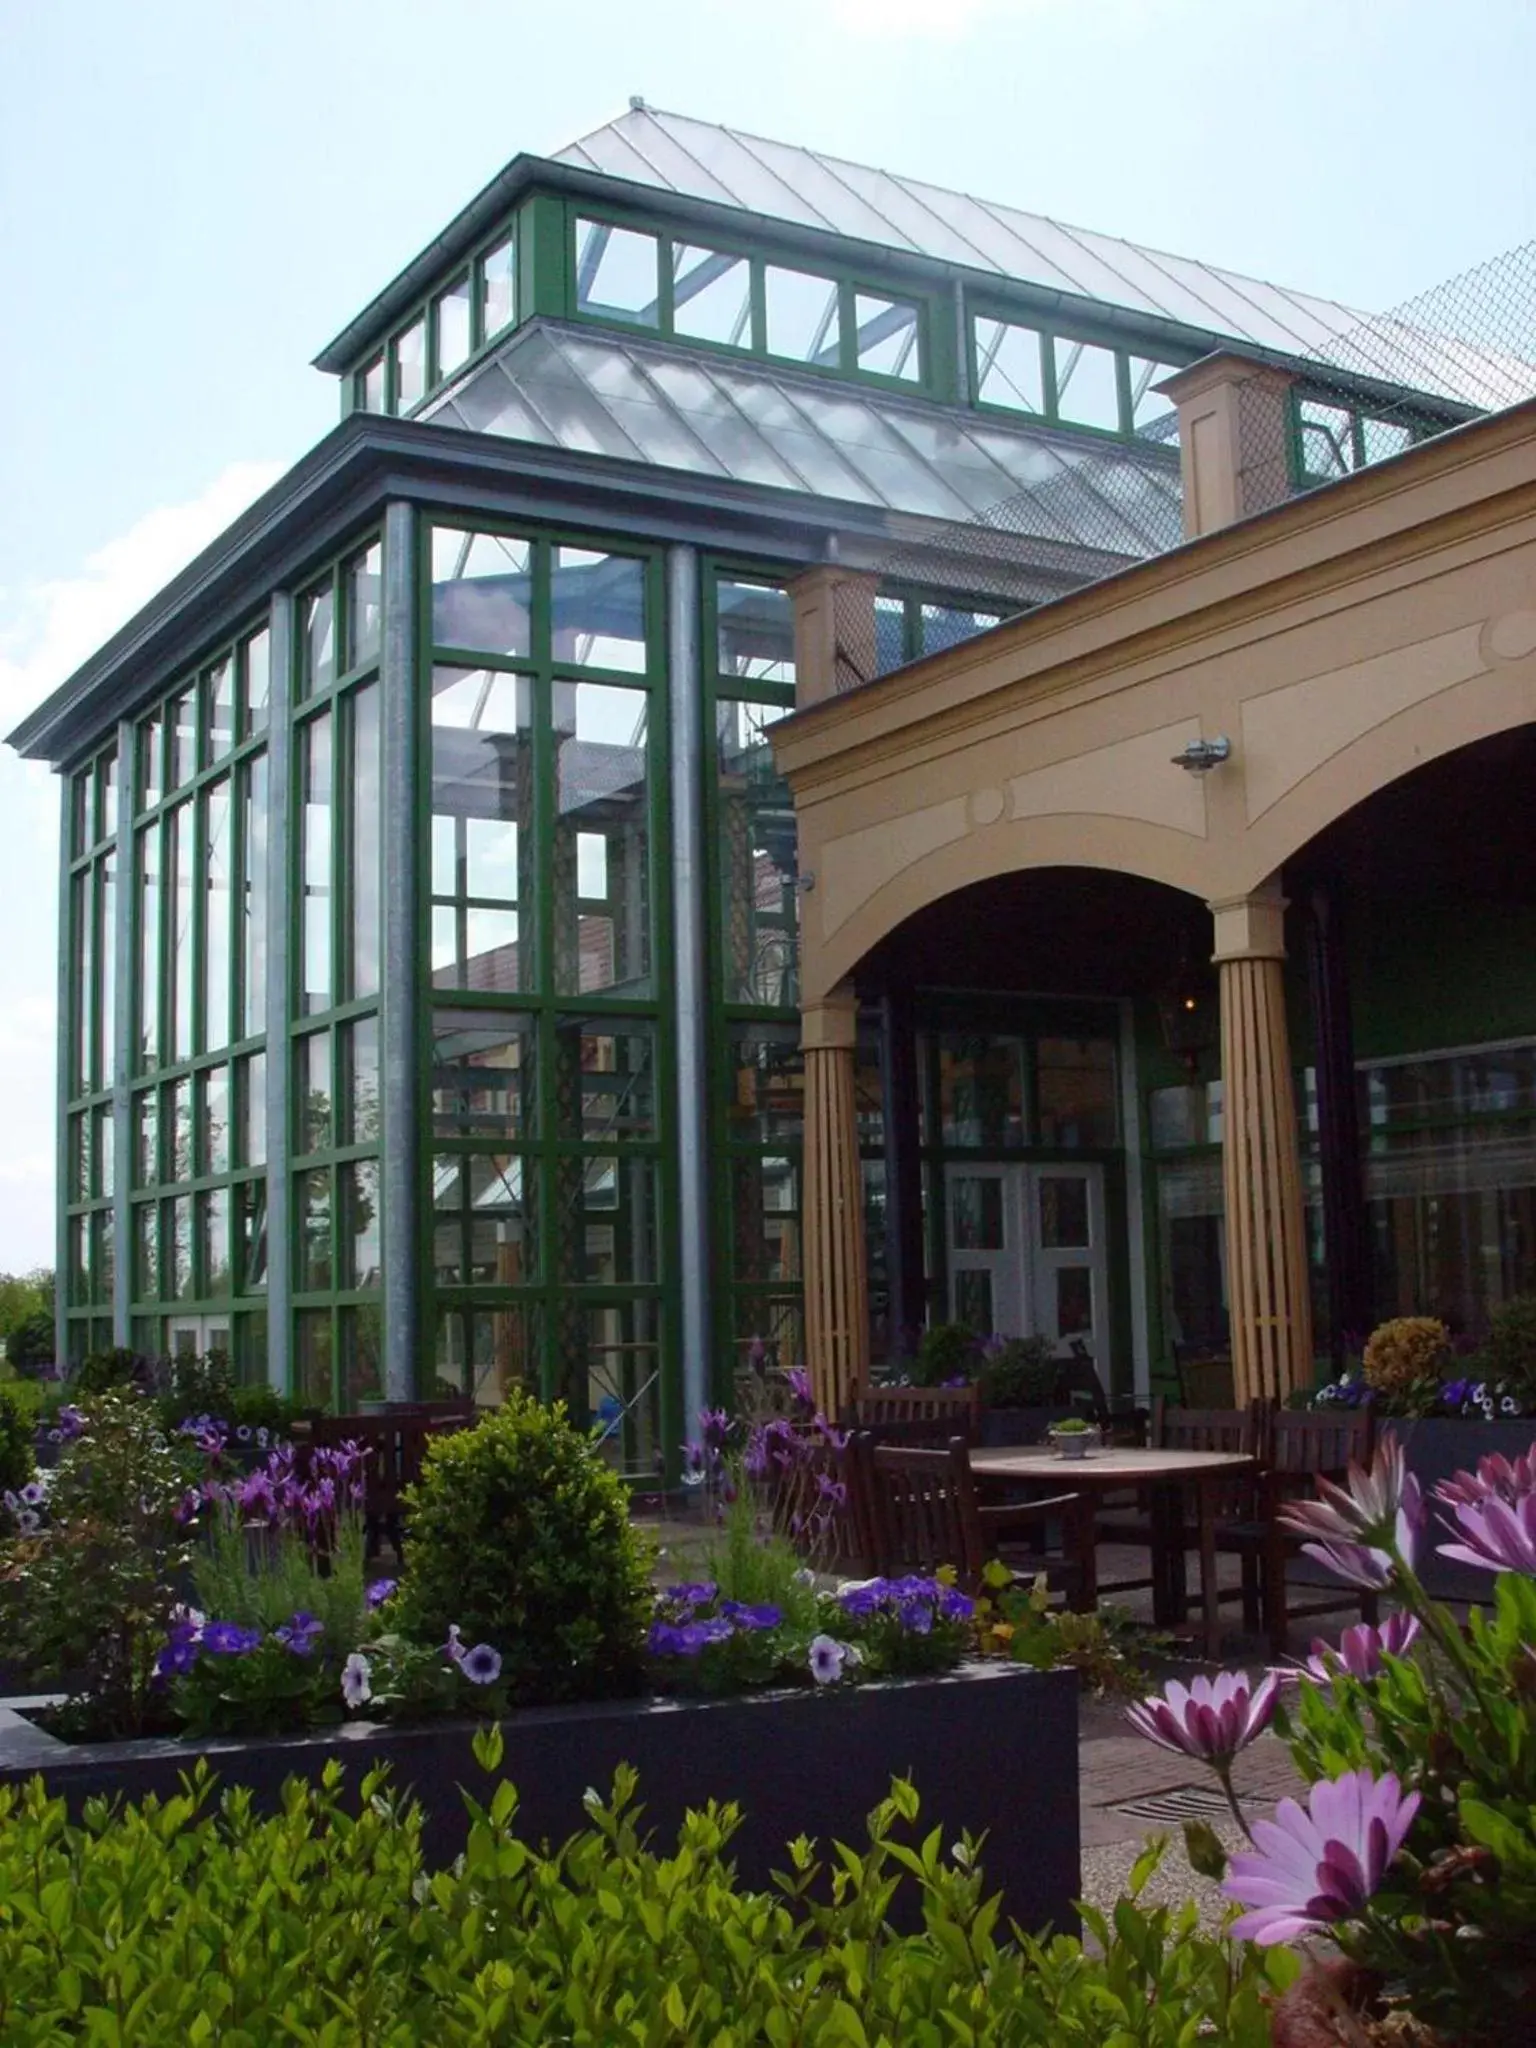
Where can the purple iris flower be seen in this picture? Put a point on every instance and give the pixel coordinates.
(481, 1665)
(228, 1639)
(380, 1591)
(801, 1392)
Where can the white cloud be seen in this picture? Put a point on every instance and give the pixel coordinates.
(942, 20)
(46, 630)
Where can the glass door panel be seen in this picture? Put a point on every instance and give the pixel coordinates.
(1068, 1269)
(985, 1264)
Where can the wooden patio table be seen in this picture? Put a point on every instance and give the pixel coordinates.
(1165, 1474)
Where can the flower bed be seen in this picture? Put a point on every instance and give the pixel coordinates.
(991, 1747)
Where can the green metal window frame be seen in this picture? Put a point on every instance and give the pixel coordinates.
(545, 1299)
(850, 279)
(158, 1071)
(1048, 332)
(96, 799)
(1355, 451)
(342, 1309)
(384, 359)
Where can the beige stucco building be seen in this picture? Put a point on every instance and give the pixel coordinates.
(1297, 747)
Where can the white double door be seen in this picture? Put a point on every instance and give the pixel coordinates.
(1027, 1253)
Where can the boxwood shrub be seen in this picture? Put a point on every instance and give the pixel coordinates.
(181, 1923)
(519, 1536)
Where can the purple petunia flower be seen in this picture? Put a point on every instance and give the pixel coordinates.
(916, 1616)
(71, 1423)
(181, 1652)
(696, 1595)
(750, 1617)
(1361, 1649)
(1316, 1866)
(481, 1665)
(34, 1494)
(453, 1649)
(1211, 1718)
(380, 1591)
(228, 1639)
(356, 1675)
(301, 1634)
(827, 1658)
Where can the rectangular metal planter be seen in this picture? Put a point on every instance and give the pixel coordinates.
(992, 1748)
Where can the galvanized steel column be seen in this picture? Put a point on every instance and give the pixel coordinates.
(685, 684)
(398, 1007)
(283, 802)
(122, 1038)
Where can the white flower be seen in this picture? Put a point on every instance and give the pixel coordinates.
(356, 1675)
(826, 1659)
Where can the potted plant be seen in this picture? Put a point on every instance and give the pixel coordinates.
(1073, 1437)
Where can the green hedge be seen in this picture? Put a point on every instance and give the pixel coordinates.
(177, 1922)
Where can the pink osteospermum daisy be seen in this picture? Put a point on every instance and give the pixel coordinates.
(1370, 1506)
(1499, 1536)
(1496, 1478)
(1361, 1649)
(1211, 1718)
(1315, 1866)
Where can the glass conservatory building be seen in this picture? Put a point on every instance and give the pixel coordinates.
(428, 992)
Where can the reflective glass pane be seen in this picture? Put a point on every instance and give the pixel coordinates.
(765, 1219)
(82, 918)
(448, 1219)
(604, 1080)
(981, 1089)
(502, 1221)
(255, 682)
(598, 604)
(947, 625)
(481, 590)
(482, 838)
(1064, 1224)
(370, 386)
(887, 337)
(364, 576)
(482, 1075)
(498, 295)
(451, 311)
(754, 631)
(313, 1360)
(711, 296)
(970, 1295)
(802, 314)
(81, 823)
(148, 991)
(252, 1149)
(253, 919)
(251, 1220)
(317, 640)
(219, 879)
(108, 785)
(314, 1206)
(79, 1182)
(213, 1221)
(359, 1106)
(892, 646)
(367, 850)
(183, 730)
(409, 351)
(976, 1212)
(182, 860)
(362, 1356)
(1076, 1092)
(177, 1110)
(1087, 386)
(313, 1125)
(1074, 1301)
(179, 1216)
(601, 769)
(1154, 417)
(757, 856)
(485, 1353)
(608, 1220)
(1008, 366)
(1327, 439)
(103, 1152)
(106, 869)
(1382, 438)
(219, 702)
(359, 1184)
(215, 1135)
(767, 1084)
(151, 762)
(617, 273)
(315, 907)
(607, 1368)
(146, 1151)
(146, 1257)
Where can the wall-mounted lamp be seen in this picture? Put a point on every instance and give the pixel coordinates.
(1201, 756)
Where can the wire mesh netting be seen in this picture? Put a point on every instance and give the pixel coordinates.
(1451, 355)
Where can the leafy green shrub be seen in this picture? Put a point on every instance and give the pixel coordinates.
(947, 1351)
(171, 1922)
(520, 1535)
(1018, 1373)
(90, 1596)
(30, 1343)
(106, 1372)
(15, 1443)
(1510, 1353)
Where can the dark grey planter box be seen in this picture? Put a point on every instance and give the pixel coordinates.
(992, 1748)
(1436, 1447)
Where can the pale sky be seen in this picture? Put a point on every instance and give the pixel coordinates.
(195, 197)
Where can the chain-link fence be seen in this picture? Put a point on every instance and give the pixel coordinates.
(1358, 397)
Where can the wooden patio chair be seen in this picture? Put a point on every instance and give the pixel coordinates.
(1299, 1448)
(927, 1513)
(917, 1415)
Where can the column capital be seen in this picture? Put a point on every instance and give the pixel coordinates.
(1250, 927)
(832, 1025)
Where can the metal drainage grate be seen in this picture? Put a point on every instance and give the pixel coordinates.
(1185, 1802)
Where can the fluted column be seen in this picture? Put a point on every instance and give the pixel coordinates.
(1267, 1291)
(836, 1278)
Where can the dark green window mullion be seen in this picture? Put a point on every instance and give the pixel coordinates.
(545, 825)
(759, 290)
(1050, 397)
(1123, 391)
(847, 327)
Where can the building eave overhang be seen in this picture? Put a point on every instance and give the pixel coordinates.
(346, 478)
(1471, 476)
